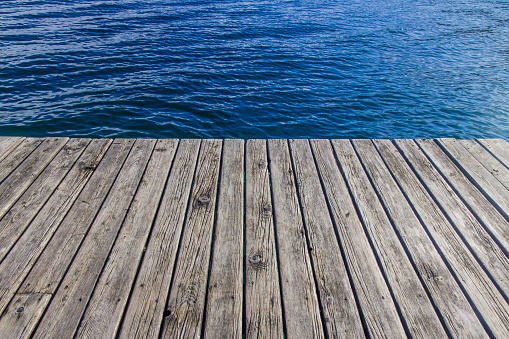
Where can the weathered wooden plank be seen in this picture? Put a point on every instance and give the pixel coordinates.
(51, 266)
(498, 147)
(16, 156)
(65, 310)
(480, 289)
(225, 291)
(494, 222)
(20, 318)
(375, 299)
(447, 296)
(472, 232)
(23, 255)
(263, 315)
(49, 269)
(494, 166)
(480, 176)
(187, 296)
(7, 144)
(144, 313)
(339, 309)
(18, 181)
(301, 308)
(104, 311)
(17, 219)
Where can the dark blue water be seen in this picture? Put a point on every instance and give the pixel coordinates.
(245, 69)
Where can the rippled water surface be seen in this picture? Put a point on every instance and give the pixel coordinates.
(245, 69)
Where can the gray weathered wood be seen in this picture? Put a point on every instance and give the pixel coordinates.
(472, 232)
(494, 222)
(375, 299)
(498, 147)
(263, 315)
(339, 309)
(225, 292)
(494, 166)
(484, 295)
(480, 176)
(16, 156)
(446, 294)
(49, 269)
(20, 318)
(301, 308)
(144, 313)
(7, 144)
(101, 319)
(15, 221)
(187, 296)
(18, 181)
(23, 255)
(64, 312)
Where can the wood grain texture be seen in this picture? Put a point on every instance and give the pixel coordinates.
(19, 180)
(263, 315)
(16, 156)
(20, 318)
(376, 302)
(301, 308)
(478, 174)
(225, 291)
(447, 296)
(471, 231)
(104, 311)
(144, 314)
(51, 266)
(494, 222)
(7, 144)
(15, 221)
(414, 304)
(23, 255)
(482, 292)
(489, 162)
(187, 296)
(342, 318)
(498, 147)
(64, 313)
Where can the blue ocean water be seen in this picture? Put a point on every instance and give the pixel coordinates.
(255, 69)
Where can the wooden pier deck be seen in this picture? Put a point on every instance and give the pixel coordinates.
(150, 238)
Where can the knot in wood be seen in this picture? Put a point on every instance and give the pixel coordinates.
(204, 199)
(267, 207)
(262, 163)
(20, 309)
(255, 259)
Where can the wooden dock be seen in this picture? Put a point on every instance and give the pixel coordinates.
(229, 238)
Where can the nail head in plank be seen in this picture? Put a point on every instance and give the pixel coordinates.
(337, 300)
(64, 313)
(263, 316)
(480, 289)
(101, 319)
(300, 302)
(187, 296)
(225, 293)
